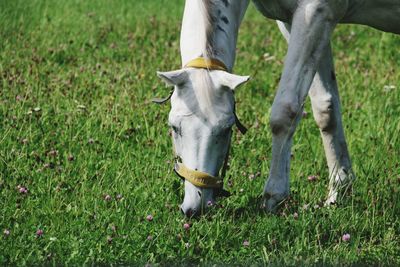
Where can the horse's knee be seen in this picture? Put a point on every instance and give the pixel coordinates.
(283, 116)
(324, 114)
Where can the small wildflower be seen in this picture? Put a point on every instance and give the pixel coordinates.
(186, 226)
(39, 232)
(388, 88)
(52, 153)
(109, 239)
(47, 166)
(252, 176)
(241, 190)
(22, 189)
(91, 141)
(24, 141)
(295, 215)
(149, 217)
(6, 232)
(113, 228)
(107, 197)
(246, 243)
(70, 157)
(312, 178)
(118, 197)
(268, 57)
(187, 245)
(113, 45)
(210, 203)
(346, 238)
(149, 237)
(305, 113)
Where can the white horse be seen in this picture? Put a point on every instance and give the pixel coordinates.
(202, 103)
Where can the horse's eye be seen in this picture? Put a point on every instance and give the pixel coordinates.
(176, 129)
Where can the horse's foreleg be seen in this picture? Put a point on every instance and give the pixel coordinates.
(325, 102)
(311, 29)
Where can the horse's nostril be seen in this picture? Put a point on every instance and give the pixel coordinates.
(188, 212)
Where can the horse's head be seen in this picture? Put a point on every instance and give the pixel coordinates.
(201, 118)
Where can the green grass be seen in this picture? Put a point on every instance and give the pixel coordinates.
(76, 124)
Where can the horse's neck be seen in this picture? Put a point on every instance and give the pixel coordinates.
(195, 41)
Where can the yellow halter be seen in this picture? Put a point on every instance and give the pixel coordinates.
(198, 178)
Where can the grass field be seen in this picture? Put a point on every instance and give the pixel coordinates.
(85, 157)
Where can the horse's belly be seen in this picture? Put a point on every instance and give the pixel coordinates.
(276, 9)
(381, 14)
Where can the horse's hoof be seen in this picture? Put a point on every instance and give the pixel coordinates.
(331, 200)
(338, 192)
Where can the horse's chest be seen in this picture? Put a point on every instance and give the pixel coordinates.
(276, 9)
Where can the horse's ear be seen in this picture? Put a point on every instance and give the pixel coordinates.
(175, 77)
(232, 81)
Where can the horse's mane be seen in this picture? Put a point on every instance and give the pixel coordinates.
(207, 9)
(205, 91)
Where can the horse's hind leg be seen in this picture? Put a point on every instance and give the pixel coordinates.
(325, 102)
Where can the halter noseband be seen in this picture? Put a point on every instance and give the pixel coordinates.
(197, 178)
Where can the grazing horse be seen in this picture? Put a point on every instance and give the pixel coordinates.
(202, 102)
